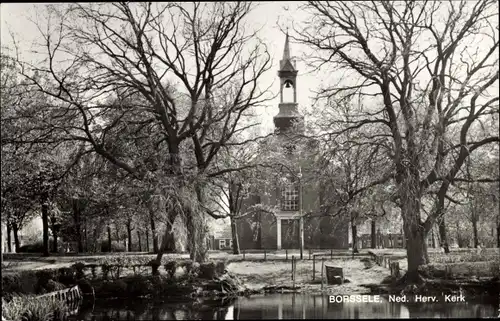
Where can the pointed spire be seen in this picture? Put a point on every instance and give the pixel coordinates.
(286, 63)
(286, 51)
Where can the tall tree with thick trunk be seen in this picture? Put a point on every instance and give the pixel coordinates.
(119, 62)
(422, 74)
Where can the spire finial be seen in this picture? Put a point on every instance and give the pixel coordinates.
(286, 51)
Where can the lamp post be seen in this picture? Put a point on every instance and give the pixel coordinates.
(301, 219)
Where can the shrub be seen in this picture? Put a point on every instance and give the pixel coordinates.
(162, 284)
(36, 247)
(79, 267)
(43, 277)
(85, 286)
(170, 268)
(54, 286)
(129, 260)
(105, 271)
(116, 271)
(154, 266)
(464, 257)
(192, 269)
(139, 286)
(220, 267)
(23, 282)
(117, 289)
(115, 247)
(67, 276)
(207, 270)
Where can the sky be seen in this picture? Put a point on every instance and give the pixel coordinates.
(266, 15)
(15, 19)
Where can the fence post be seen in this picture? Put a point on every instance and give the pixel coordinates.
(293, 259)
(265, 255)
(314, 267)
(322, 271)
(309, 254)
(286, 254)
(331, 254)
(294, 272)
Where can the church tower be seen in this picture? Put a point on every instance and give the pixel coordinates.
(288, 115)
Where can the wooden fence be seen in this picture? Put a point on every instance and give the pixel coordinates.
(69, 295)
(391, 263)
(307, 254)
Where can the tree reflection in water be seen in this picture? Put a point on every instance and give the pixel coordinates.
(280, 306)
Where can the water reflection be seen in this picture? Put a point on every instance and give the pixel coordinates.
(282, 306)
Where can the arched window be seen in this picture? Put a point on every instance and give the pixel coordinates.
(288, 91)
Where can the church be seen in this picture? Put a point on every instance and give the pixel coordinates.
(298, 218)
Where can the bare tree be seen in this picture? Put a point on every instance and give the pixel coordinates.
(97, 55)
(419, 80)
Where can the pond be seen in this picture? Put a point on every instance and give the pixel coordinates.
(284, 306)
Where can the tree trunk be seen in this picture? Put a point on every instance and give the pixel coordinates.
(175, 170)
(139, 240)
(109, 238)
(459, 238)
(373, 234)
(17, 244)
(9, 238)
(196, 229)
(259, 231)
(129, 235)
(442, 234)
(154, 235)
(147, 239)
(96, 233)
(234, 233)
(354, 229)
(498, 235)
(117, 234)
(234, 195)
(45, 224)
(85, 237)
(380, 242)
(474, 230)
(416, 251)
(55, 236)
(168, 240)
(414, 230)
(78, 226)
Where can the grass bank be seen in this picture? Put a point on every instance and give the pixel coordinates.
(31, 308)
(277, 275)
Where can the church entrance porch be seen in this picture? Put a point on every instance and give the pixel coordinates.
(290, 234)
(289, 231)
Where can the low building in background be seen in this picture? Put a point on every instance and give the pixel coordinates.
(222, 240)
